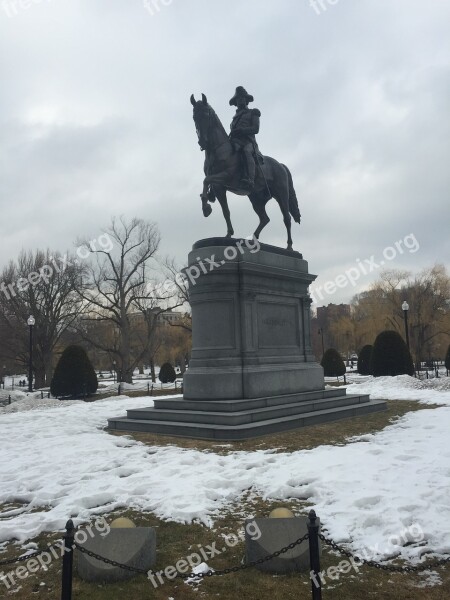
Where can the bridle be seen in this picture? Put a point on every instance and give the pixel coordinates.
(203, 137)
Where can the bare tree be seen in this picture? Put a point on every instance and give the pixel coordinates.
(177, 281)
(120, 290)
(42, 284)
(428, 295)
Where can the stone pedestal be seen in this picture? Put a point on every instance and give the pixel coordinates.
(252, 371)
(250, 322)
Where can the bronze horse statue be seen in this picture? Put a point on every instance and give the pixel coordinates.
(223, 173)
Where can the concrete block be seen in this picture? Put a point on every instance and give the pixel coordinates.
(133, 547)
(276, 534)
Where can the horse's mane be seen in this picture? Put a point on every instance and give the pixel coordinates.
(218, 121)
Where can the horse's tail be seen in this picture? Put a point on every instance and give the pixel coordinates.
(293, 202)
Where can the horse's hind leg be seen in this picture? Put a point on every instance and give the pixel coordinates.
(260, 209)
(221, 196)
(284, 206)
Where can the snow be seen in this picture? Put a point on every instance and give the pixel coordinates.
(375, 493)
(402, 387)
(24, 401)
(198, 570)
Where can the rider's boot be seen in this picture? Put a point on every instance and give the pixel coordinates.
(250, 168)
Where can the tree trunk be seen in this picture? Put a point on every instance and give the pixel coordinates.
(152, 370)
(126, 374)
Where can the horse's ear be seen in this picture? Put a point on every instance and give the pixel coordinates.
(192, 100)
(204, 99)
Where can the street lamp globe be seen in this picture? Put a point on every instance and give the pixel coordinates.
(405, 306)
(31, 320)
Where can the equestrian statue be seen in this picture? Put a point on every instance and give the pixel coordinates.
(234, 163)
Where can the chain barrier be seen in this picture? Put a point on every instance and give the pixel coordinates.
(377, 565)
(108, 561)
(313, 535)
(12, 561)
(253, 563)
(209, 573)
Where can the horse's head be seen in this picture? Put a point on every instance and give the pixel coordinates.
(202, 120)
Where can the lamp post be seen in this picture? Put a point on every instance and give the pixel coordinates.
(31, 321)
(405, 308)
(347, 337)
(320, 332)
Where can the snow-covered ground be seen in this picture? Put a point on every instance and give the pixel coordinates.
(60, 463)
(137, 385)
(402, 387)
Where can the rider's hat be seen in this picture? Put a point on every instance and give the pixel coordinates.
(240, 91)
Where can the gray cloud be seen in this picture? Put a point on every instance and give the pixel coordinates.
(95, 120)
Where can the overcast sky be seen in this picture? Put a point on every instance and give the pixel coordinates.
(95, 121)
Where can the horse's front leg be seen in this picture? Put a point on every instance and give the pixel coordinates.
(215, 179)
(221, 195)
(206, 207)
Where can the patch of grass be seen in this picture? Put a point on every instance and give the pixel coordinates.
(305, 438)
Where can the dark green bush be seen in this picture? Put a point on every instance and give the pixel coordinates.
(364, 365)
(74, 375)
(167, 373)
(332, 363)
(447, 359)
(390, 355)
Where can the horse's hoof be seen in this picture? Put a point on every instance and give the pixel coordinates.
(207, 210)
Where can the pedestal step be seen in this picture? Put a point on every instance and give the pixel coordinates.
(243, 419)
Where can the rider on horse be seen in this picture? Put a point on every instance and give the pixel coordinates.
(244, 127)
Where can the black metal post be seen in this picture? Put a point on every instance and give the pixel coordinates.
(67, 565)
(405, 313)
(30, 366)
(314, 555)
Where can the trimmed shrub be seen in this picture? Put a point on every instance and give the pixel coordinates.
(167, 373)
(332, 363)
(447, 359)
(74, 375)
(390, 355)
(364, 358)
